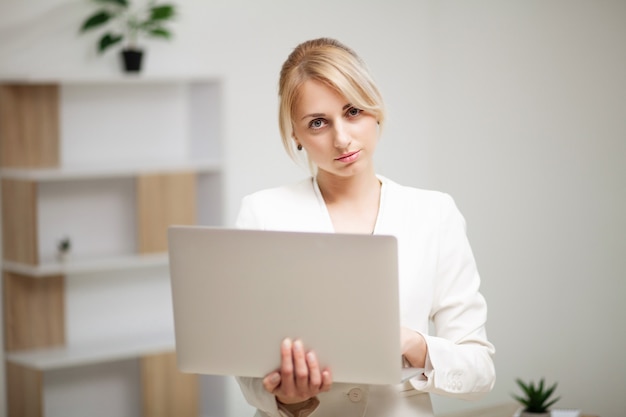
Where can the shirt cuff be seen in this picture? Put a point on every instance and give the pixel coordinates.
(303, 409)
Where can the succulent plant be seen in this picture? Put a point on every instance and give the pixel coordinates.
(536, 398)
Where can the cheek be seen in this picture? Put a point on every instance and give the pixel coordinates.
(317, 144)
(369, 130)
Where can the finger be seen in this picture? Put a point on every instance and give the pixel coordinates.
(287, 384)
(286, 359)
(315, 375)
(327, 380)
(301, 368)
(271, 382)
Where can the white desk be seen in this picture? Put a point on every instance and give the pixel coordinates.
(500, 410)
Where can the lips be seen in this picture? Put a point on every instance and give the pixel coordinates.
(348, 157)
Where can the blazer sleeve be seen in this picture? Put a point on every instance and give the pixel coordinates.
(459, 355)
(248, 217)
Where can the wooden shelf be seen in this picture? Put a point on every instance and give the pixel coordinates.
(100, 79)
(81, 266)
(130, 169)
(91, 353)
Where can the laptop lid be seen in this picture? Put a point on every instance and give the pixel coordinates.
(238, 293)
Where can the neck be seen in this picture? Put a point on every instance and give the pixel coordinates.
(336, 189)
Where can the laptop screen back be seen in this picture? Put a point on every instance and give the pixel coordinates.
(238, 293)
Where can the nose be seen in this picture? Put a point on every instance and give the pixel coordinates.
(342, 136)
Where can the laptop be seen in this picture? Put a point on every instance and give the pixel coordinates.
(238, 293)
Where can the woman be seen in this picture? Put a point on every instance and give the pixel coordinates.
(331, 110)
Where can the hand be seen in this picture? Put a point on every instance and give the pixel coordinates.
(299, 377)
(414, 347)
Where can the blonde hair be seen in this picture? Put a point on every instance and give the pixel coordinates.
(334, 64)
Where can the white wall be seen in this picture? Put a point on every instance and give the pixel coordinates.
(529, 135)
(516, 108)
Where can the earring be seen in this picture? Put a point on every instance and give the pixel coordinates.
(299, 147)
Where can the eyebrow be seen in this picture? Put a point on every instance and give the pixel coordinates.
(315, 115)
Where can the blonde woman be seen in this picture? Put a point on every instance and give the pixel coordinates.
(332, 112)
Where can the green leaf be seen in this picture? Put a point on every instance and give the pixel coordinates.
(524, 387)
(108, 40)
(123, 3)
(521, 400)
(160, 33)
(551, 403)
(97, 19)
(163, 12)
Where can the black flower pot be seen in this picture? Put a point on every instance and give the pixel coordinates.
(132, 59)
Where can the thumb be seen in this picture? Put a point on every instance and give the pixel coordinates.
(271, 382)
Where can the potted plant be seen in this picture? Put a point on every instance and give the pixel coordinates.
(63, 248)
(148, 20)
(536, 399)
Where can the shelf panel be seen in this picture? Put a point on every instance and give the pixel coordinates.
(93, 353)
(130, 169)
(103, 79)
(79, 266)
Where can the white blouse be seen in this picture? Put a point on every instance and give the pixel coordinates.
(438, 282)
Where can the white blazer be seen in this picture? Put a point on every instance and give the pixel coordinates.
(438, 282)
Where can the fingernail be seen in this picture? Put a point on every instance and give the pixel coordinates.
(274, 378)
(297, 345)
(310, 357)
(287, 343)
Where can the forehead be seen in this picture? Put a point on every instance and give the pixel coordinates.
(317, 97)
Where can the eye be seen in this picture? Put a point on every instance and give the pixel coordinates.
(317, 123)
(353, 112)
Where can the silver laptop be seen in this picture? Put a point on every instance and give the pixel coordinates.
(238, 293)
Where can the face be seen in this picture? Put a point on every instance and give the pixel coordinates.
(338, 137)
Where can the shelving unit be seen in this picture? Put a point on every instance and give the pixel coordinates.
(49, 359)
(109, 163)
(72, 173)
